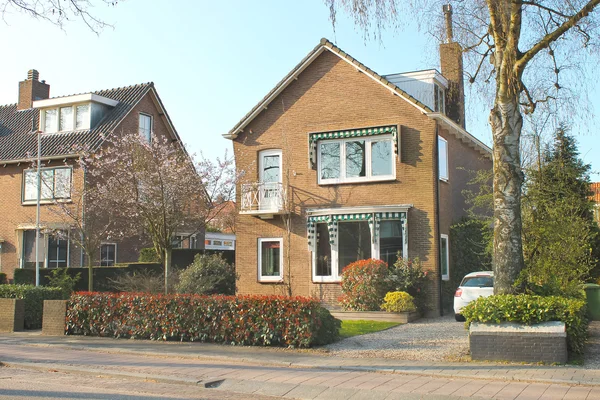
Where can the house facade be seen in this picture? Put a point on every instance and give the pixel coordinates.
(67, 124)
(341, 164)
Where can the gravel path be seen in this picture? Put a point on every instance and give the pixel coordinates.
(428, 339)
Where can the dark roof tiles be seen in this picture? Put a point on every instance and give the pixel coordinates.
(17, 142)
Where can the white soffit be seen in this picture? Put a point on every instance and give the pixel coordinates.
(461, 133)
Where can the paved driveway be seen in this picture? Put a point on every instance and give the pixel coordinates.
(428, 339)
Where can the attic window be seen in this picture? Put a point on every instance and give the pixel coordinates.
(65, 119)
(439, 99)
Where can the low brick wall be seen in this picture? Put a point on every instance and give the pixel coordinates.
(54, 320)
(402, 318)
(546, 342)
(12, 315)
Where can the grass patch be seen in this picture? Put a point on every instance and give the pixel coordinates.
(361, 327)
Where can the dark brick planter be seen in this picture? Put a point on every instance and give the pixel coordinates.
(546, 342)
(12, 315)
(55, 314)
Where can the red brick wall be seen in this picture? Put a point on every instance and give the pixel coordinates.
(331, 95)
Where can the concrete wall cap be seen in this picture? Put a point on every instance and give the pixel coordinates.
(555, 327)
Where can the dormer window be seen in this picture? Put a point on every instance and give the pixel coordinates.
(439, 99)
(66, 119)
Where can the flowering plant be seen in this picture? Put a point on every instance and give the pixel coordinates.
(364, 284)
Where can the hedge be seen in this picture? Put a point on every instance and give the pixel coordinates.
(242, 320)
(101, 275)
(3, 278)
(530, 309)
(182, 258)
(34, 300)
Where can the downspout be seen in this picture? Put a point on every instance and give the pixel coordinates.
(81, 252)
(437, 217)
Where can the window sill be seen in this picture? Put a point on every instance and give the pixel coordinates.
(354, 182)
(316, 279)
(45, 202)
(276, 279)
(444, 180)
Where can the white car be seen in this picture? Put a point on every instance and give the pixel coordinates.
(473, 285)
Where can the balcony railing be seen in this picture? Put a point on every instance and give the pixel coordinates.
(263, 198)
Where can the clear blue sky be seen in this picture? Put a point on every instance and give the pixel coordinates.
(212, 61)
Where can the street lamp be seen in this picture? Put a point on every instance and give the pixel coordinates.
(37, 206)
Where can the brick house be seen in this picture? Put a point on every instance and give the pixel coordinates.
(340, 164)
(66, 123)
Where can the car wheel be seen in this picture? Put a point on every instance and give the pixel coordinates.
(459, 318)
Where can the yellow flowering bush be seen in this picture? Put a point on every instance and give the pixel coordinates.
(398, 302)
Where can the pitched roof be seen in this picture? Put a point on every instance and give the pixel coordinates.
(18, 143)
(323, 45)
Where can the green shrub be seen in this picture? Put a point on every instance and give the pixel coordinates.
(398, 302)
(408, 276)
(60, 278)
(143, 281)
(148, 255)
(242, 320)
(364, 284)
(3, 278)
(208, 274)
(34, 300)
(530, 309)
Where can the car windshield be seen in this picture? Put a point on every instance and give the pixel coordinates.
(478, 281)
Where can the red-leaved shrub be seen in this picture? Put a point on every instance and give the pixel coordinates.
(241, 320)
(364, 285)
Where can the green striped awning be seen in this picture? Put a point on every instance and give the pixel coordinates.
(353, 133)
(390, 215)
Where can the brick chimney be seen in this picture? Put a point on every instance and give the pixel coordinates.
(451, 61)
(32, 89)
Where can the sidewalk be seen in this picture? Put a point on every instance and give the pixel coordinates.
(30, 344)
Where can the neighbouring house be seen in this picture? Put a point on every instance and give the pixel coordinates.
(221, 227)
(67, 124)
(340, 163)
(595, 188)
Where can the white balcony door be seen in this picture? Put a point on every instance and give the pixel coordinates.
(269, 167)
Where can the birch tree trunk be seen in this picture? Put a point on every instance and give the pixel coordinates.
(507, 122)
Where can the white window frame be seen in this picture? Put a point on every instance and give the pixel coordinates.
(87, 125)
(369, 172)
(45, 201)
(443, 236)
(147, 136)
(267, 153)
(439, 98)
(445, 177)
(270, 279)
(108, 244)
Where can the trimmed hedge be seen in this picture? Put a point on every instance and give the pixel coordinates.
(182, 258)
(242, 320)
(3, 278)
(101, 275)
(34, 300)
(530, 309)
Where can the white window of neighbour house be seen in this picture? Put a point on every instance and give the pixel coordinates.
(56, 184)
(443, 158)
(145, 127)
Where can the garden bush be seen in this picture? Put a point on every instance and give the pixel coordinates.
(3, 278)
(408, 276)
(398, 302)
(364, 284)
(531, 309)
(242, 320)
(34, 300)
(60, 278)
(208, 274)
(148, 255)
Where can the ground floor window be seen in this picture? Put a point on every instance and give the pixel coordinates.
(58, 249)
(338, 240)
(270, 259)
(444, 257)
(108, 254)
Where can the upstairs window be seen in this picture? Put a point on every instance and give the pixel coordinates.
(66, 119)
(56, 184)
(443, 158)
(439, 99)
(145, 127)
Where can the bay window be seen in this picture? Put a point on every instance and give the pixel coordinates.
(337, 240)
(56, 184)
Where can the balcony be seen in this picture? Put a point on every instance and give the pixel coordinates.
(263, 199)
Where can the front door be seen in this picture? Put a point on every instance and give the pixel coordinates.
(269, 179)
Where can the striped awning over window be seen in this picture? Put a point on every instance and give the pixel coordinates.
(380, 130)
